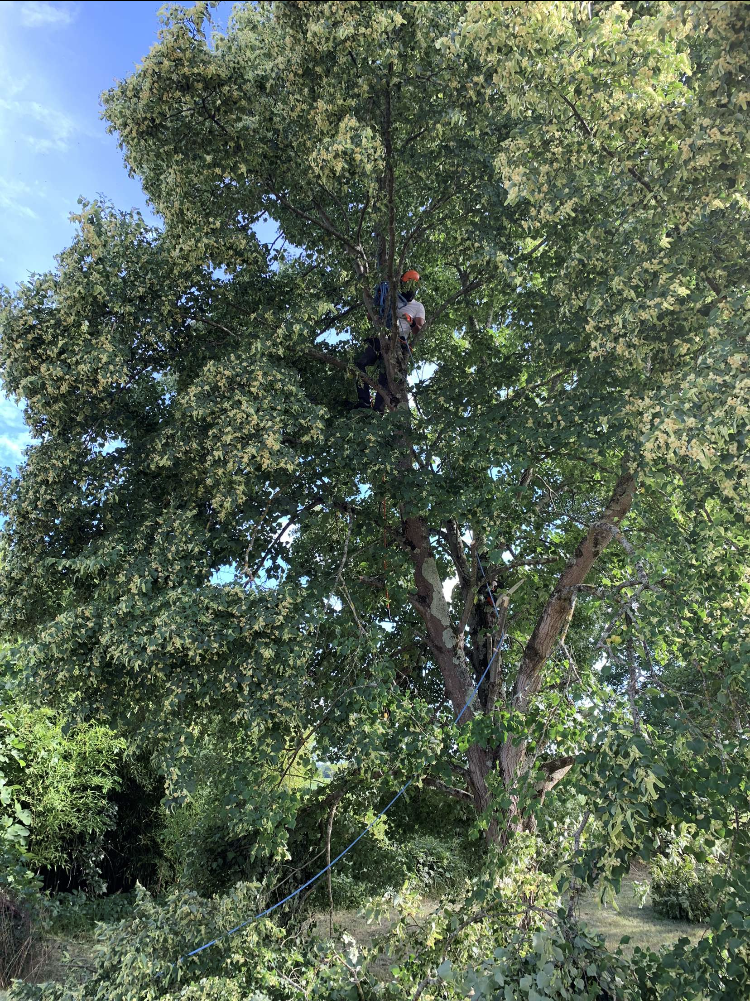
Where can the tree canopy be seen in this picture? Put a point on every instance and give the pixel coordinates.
(208, 542)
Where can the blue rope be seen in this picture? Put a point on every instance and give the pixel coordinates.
(324, 870)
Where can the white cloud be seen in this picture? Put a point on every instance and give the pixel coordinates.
(14, 196)
(448, 586)
(40, 15)
(14, 434)
(14, 446)
(11, 414)
(57, 127)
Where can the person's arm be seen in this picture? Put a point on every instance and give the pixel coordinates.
(418, 317)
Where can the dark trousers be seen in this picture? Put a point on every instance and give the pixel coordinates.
(369, 356)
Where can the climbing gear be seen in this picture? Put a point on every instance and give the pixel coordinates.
(409, 281)
(382, 299)
(383, 302)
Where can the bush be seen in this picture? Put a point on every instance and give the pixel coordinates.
(74, 914)
(427, 864)
(681, 888)
(64, 780)
(219, 989)
(557, 963)
(145, 956)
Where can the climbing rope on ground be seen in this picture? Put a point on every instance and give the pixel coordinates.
(269, 910)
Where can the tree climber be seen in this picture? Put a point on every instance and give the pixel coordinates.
(411, 317)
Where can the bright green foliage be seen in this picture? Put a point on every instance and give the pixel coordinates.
(64, 783)
(681, 888)
(570, 180)
(14, 819)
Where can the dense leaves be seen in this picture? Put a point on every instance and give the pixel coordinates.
(210, 549)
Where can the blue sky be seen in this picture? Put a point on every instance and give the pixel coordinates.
(55, 60)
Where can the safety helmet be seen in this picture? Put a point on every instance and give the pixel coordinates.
(409, 282)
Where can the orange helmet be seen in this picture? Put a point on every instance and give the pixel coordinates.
(410, 276)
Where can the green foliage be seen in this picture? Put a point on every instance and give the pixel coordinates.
(559, 963)
(682, 889)
(65, 781)
(137, 959)
(426, 864)
(571, 181)
(74, 915)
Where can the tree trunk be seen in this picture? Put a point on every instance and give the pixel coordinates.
(430, 602)
(556, 615)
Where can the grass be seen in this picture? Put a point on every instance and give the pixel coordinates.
(643, 925)
(62, 959)
(645, 928)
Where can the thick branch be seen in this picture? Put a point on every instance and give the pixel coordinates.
(493, 685)
(433, 783)
(555, 770)
(466, 578)
(558, 611)
(345, 367)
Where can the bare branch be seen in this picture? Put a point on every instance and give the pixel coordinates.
(288, 525)
(433, 783)
(329, 829)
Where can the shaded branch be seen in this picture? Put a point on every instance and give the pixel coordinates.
(433, 783)
(345, 366)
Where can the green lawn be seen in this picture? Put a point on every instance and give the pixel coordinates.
(645, 928)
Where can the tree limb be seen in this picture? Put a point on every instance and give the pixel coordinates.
(433, 783)
(329, 829)
(344, 366)
(558, 611)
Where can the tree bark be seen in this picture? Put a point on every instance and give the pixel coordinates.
(557, 613)
(432, 607)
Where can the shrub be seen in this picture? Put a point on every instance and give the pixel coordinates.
(74, 914)
(427, 864)
(139, 959)
(681, 888)
(557, 963)
(219, 989)
(64, 780)
(436, 863)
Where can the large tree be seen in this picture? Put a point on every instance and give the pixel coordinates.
(558, 480)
